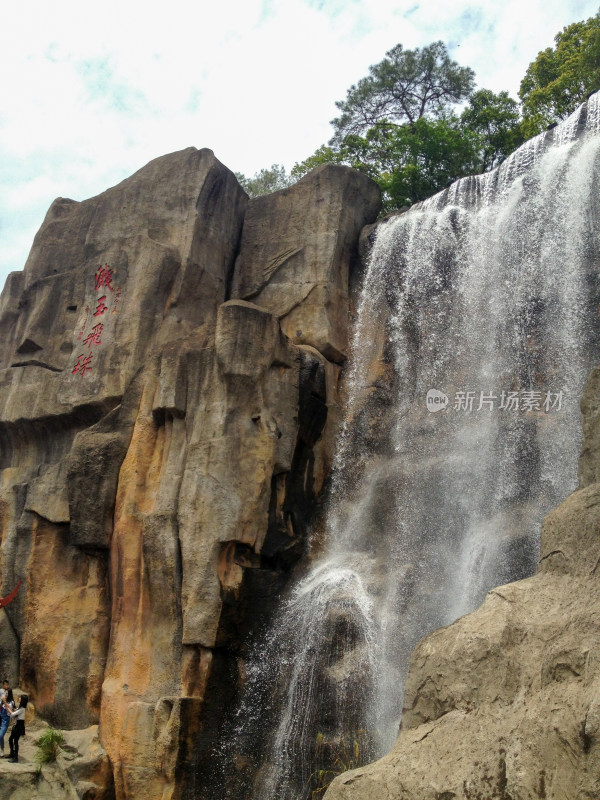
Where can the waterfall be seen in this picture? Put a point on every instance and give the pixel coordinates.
(476, 329)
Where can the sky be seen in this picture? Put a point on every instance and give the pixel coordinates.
(90, 92)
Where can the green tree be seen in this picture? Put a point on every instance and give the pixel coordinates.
(267, 180)
(410, 162)
(428, 156)
(562, 77)
(405, 86)
(323, 155)
(495, 120)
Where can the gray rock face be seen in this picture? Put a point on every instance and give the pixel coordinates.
(163, 448)
(297, 250)
(503, 702)
(145, 261)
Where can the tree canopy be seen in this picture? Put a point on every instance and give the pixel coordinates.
(405, 86)
(400, 124)
(409, 162)
(561, 77)
(267, 180)
(397, 125)
(495, 121)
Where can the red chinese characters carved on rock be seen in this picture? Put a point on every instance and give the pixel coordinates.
(101, 307)
(94, 336)
(83, 365)
(103, 277)
(117, 298)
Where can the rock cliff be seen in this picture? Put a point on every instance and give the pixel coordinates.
(169, 360)
(503, 703)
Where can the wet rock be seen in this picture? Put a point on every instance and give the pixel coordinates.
(502, 703)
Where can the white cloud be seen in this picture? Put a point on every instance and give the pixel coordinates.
(91, 92)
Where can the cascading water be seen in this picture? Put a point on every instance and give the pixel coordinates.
(462, 431)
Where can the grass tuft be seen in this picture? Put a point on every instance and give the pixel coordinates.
(49, 746)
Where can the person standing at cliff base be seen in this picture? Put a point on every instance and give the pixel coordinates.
(19, 728)
(4, 714)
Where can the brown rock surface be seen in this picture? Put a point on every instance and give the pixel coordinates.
(161, 454)
(503, 702)
(192, 511)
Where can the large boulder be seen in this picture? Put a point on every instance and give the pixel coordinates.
(163, 451)
(109, 282)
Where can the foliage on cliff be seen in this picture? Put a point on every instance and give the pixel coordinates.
(561, 77)
(409, 162)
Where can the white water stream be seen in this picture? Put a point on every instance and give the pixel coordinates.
(488, 296)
